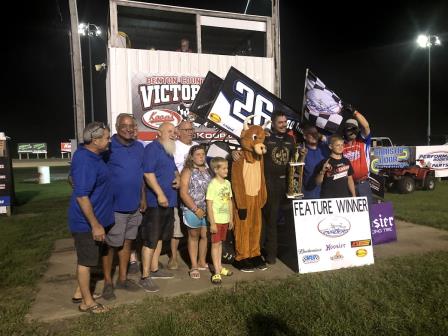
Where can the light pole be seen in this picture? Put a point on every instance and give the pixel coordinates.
(90, 30)
(427, 41)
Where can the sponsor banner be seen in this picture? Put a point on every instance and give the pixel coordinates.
(5, 201)
(66, 147)
(240, 97)
(158, 99)
(332, 233)
(434, 157)
(382, 223)
(392, 157)
(5, 177)
(33, 148)
(377, 183)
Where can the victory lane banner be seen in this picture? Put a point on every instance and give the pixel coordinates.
(240, 97)
(157, 99)
(160, 98)
(332, 233)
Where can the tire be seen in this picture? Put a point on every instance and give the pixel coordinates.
(430, 183)
(406, 185)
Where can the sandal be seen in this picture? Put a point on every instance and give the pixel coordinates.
(203, 268)
(194, 274)
(79, 300)
(216, 279)
(97, 308)
(226, 272)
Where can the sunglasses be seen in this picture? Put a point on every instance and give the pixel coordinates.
(351, 130)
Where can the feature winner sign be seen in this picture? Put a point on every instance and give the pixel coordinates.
(332, 233)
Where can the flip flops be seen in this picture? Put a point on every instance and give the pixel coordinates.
(79, 300)
(226, 272)
(216, 279)
(97, 308)
(194, 274)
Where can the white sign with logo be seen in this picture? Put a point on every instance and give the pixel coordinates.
(434, 157)
(332, 233)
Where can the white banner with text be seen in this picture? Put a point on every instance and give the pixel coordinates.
(332, 233)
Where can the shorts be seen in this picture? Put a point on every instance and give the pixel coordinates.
(192, 221)
(177, 232)
(221, 235)
(88, 251)
(157, 224)
(125, 227)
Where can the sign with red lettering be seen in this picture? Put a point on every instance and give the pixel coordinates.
(66, 147)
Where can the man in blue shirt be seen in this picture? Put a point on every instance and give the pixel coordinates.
(316, 150)
(125, 162)
(162, 179)
(90, 210)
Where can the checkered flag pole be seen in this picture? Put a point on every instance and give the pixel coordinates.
(321, 106)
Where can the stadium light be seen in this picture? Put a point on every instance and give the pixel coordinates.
(427, 41)
(90, 30)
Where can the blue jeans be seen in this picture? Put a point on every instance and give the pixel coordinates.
(363, 189)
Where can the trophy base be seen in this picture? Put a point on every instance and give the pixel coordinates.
(294, 196)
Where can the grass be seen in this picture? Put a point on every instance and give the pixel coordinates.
(423, 207)
(27, 239)
(399, 296)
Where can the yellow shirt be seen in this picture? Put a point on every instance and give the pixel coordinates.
(220, 193)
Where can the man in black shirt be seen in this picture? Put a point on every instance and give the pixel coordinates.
(335, 173)
(279, 147)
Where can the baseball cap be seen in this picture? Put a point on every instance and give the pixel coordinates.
(351, 123)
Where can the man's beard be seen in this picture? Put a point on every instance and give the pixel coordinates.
(169, 146)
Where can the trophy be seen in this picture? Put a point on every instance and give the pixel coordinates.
(295, 174)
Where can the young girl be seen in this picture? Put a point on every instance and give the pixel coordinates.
(219, 211)
(194, 180)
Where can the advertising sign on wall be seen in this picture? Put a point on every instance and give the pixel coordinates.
(159, 99)
(434, 157)
(332, 233)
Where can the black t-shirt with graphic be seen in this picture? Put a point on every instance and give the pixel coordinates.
(279, 148)
(335, 182)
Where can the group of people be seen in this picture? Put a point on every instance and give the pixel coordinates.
(123, 191)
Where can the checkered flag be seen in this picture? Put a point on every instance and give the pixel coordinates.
(321, 106)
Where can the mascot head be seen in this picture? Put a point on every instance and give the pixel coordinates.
(252, 138)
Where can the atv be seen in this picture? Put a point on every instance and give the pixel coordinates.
(406, 180)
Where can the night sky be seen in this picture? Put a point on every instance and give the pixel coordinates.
(367, 56)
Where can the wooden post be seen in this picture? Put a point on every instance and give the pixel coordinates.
(276, 47)
(77, 78)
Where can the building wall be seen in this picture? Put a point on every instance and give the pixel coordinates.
(123, 63)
